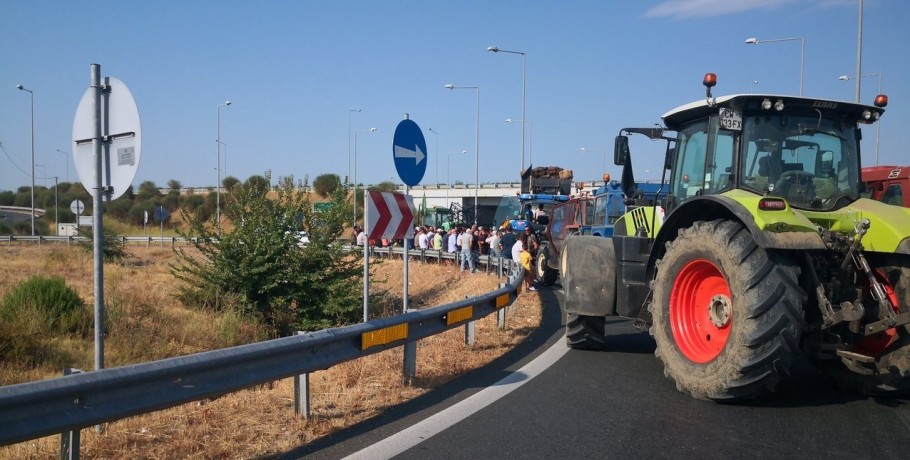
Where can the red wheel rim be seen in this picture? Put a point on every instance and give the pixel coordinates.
(701, 311)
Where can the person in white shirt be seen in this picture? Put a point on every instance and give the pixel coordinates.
(361, 238)
(516, 250)
(422, 240)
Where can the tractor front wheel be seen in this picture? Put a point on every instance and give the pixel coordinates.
(585, 332)
(546, 276)
(727, 314)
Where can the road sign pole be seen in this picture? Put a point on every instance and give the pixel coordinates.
(410, 348)
(366, 256)
(97, 220)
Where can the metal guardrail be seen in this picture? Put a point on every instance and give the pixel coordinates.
(36, 409)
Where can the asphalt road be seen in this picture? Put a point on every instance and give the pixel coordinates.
(617, 403)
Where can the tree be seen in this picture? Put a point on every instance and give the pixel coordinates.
(174, 185)
(384, 186)
(260, 264)
(229, 182)
(147, 190)
(326, 184)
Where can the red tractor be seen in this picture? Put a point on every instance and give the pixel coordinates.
(888, 183)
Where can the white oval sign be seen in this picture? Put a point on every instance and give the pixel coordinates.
(119, 157)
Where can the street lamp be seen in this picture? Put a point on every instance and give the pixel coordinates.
(476, 148)
(523, 117)
(32, 98)
(802, 48)
(530, 139)
(437, 155)
(449, 166)
(604, 150)
(752, 86)
(356, 131)
(66, 156)
(218, 184)
(879, 123)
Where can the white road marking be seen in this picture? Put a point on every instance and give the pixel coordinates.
(414, 435)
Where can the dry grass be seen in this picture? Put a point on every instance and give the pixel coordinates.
(260, 420)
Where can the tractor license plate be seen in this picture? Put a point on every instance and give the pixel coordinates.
(731, 119)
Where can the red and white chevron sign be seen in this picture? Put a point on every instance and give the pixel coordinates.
(390, 215)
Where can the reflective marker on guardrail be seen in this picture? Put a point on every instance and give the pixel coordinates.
(384, 336)
(459, 315)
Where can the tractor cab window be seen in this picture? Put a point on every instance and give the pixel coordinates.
(689, 171)
(893, 195)
(807, 160)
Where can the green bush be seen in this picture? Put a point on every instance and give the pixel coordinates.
(43, 305)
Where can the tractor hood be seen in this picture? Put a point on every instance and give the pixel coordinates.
(889, 231)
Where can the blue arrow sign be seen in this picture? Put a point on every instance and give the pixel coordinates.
(161, 214)
(409, 152)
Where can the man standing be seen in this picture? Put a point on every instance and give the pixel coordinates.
(493, 243)
(506, 242)
(467, 256)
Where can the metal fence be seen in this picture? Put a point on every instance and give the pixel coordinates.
(70, 403)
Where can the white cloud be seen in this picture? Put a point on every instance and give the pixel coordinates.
(685, 9)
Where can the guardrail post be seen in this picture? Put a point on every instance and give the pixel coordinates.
(469, 333)
(302, 392)
(69, 440)
(410, 362)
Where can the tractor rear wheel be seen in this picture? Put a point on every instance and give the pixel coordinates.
(546, 276)
(585, 332)
(727, 314)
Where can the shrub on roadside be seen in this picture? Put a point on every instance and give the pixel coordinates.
(45, 305)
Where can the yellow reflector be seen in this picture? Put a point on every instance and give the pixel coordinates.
(462, 314)
(384, 336)
(503, 300)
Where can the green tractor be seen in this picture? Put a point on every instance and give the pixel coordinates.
(760, 251)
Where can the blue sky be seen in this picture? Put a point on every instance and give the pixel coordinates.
(294, 69)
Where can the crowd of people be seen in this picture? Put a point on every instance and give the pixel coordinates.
(468, 244)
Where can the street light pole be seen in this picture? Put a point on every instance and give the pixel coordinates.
(523, 86)
(879, 122)
(32, 98)
(449, 166)
(370, 130)
(476, 148)
(437, 155)
(218, 184)
(225, 157)
(802, 49)
(604, 150)
(66, 156)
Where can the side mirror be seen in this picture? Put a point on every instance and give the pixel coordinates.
(620, 150)
(669, 158)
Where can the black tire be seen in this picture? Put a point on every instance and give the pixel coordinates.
(585, 332)
(712, 347)
(545, 275)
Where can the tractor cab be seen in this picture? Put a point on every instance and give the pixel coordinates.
(803, 150)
